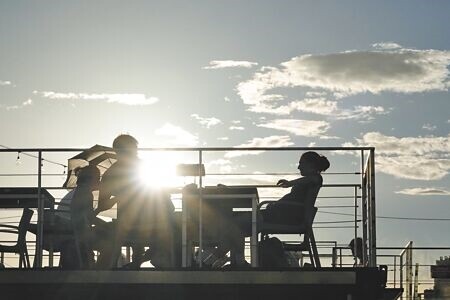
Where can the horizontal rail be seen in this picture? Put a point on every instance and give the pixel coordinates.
(198, 149)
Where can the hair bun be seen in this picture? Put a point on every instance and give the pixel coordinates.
(324, 164)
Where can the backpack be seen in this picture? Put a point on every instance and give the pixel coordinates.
(272, 254)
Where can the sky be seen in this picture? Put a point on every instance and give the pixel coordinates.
(242, 73)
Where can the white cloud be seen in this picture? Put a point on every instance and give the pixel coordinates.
(176, 136)
(424, 192)
(207, 122)
(299, 127)
(429, 127)
(222, 165)
(324, 107)
(236, 128)
(223, 138)
(348, 73)
(24, 104)
(226, 99)
(127, 99)
(220, 64)
(270, 141)
(420, 158)
(5, 82)
(386, 46)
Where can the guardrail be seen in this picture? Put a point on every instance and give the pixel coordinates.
(363, 189)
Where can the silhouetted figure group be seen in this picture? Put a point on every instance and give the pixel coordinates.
(146, 218)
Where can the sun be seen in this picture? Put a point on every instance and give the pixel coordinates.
(158, 169)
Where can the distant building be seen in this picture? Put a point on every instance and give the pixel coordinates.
(441, 274)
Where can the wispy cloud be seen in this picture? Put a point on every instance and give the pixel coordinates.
(236, 128)
(206, 122)
(299, 127)
(429, 127)
(5, 82)
(22, 105)
(386, 46)
(176, 136)
(348, 73)
(420, 158)
(270, 141)
(221, 64)
(424, 192)
(223, 138)
(126, 99)
(324, 107)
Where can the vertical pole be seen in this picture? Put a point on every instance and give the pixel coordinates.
(373, 218)
(355, 244)
(40, 220)
(200, 222)
(395, 271)
(364, 208)
(401, 272)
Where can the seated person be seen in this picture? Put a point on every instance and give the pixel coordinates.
(304, 190)
(82, 217)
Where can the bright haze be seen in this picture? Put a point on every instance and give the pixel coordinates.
(252, 73)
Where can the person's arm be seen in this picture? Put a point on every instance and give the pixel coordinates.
(288, 183)
(105, 199)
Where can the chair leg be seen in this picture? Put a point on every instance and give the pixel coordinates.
(27, 259)
(314, 250)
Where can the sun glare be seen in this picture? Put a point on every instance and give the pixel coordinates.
(158, 169)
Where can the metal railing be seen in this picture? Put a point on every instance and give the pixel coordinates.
(366, 185)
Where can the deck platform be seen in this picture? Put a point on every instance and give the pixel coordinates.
(326, 283)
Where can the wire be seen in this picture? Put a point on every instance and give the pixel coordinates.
(34, 156)
(389, 218)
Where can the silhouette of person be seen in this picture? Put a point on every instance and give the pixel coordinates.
(303, 190)
(358, 255)
(120, 184)
(81, 214)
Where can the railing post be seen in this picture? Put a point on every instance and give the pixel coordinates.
(200, 222)
(40, 219)
(364, 208)
(355, 244)
(372, 213)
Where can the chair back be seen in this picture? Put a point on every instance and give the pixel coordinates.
(24, 223)
(309, 209)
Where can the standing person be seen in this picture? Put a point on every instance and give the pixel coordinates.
(81, 214)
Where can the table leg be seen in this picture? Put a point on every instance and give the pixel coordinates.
(254, 237)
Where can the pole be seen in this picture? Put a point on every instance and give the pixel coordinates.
(40, 220)
(200, 223)
(373, 218)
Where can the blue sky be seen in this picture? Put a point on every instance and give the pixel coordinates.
(228, 73)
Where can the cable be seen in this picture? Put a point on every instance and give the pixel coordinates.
(390, 218)
(34, 156)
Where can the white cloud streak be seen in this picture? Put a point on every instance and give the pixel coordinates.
(306, 128)
(424, 192)
(22, 105)
(126, 99)
(270, 141)
(419, 158)
(5, 82)
(206, 122)
(221, 64)
(176, 136)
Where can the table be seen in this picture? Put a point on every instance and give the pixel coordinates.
(219, 197)
(24, 197)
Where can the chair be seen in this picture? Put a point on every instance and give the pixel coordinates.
(21, 246)
(304, 227)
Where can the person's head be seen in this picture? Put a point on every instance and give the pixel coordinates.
(312, 163)
(88, 176)
(125, 146)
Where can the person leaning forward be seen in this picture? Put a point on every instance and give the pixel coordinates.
(120, 185)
